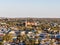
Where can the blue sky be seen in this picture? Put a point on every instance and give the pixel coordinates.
(30, 8)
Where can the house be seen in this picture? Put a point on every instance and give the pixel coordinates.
(31, 23)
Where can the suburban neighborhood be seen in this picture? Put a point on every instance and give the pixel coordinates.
(29, 31)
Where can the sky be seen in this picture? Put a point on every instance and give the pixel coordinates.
(30, 8)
